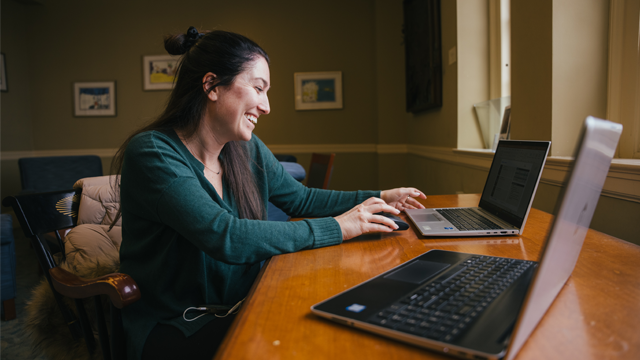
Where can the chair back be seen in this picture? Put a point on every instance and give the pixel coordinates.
(320, 171)
(40, 174)
(41, 213)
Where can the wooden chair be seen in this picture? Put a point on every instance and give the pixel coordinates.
(51, 173)
(320, 171)
(41, 213)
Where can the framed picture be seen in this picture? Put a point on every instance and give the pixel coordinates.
(423, 54)
(318, 90)
(159, 71)
(3, 74)
(94, 98)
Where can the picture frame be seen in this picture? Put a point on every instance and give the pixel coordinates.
(3, 74)
(159, 71)
(318, 90)
(423, 55)
(94, 98)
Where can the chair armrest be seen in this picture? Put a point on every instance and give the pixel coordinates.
(121, 288)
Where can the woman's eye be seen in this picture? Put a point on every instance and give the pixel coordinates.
(259, 88)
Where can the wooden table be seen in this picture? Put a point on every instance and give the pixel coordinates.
(595, 316)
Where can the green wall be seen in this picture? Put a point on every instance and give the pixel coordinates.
(56, 44)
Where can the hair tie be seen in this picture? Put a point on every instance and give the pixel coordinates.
(192, 33)
(192, 37)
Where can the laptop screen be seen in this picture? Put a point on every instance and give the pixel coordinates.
(513, 178)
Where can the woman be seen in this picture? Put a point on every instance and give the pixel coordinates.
(194, 185)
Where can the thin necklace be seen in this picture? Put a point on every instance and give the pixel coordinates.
(205, 165)
(202, 162)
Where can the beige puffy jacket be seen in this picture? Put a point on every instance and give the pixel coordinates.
(91, 240)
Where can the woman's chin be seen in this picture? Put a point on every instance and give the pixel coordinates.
(246, 137)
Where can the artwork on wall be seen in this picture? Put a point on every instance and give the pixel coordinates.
(3, 74)
(159, 71)
(318, 90)
(423, 54)
(94, 98)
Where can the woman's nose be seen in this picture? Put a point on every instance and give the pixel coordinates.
(263, 106)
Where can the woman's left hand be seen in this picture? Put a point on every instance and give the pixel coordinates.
(403, 198)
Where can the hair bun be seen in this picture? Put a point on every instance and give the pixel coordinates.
(180, 44)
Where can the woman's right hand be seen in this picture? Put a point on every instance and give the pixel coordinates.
(361, 219)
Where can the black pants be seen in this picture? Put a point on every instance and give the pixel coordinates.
(168, 342)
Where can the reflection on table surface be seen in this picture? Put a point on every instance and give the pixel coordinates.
(595, 316)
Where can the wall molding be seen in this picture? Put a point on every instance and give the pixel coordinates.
(623, 180)
(322, 148)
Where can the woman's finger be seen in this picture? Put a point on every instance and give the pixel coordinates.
(382, 207)
(412, 203)
(375, 227)
(384, 221)
(373, 200)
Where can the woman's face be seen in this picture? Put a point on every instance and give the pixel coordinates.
(235, 109)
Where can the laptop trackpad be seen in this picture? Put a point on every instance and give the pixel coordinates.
(417, 272)
(425, 218)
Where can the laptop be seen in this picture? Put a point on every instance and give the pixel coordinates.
(508, 193)
(483, 307)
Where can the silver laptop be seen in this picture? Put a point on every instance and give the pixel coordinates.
(483, 307)
(506, 199)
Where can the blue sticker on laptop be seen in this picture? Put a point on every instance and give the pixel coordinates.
(448, 228)
(356, 308)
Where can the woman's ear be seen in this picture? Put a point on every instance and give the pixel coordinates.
(208, 82)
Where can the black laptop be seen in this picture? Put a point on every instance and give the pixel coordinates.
(483, 307)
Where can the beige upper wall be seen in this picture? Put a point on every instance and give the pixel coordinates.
(580, 66)
(393, 120)
(59, 43)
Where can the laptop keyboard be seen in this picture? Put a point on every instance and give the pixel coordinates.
(467, 219)
(442, 310)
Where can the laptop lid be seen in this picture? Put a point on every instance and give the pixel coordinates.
(513, 179)
(581, 193)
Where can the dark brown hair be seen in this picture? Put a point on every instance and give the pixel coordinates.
(226, 55)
